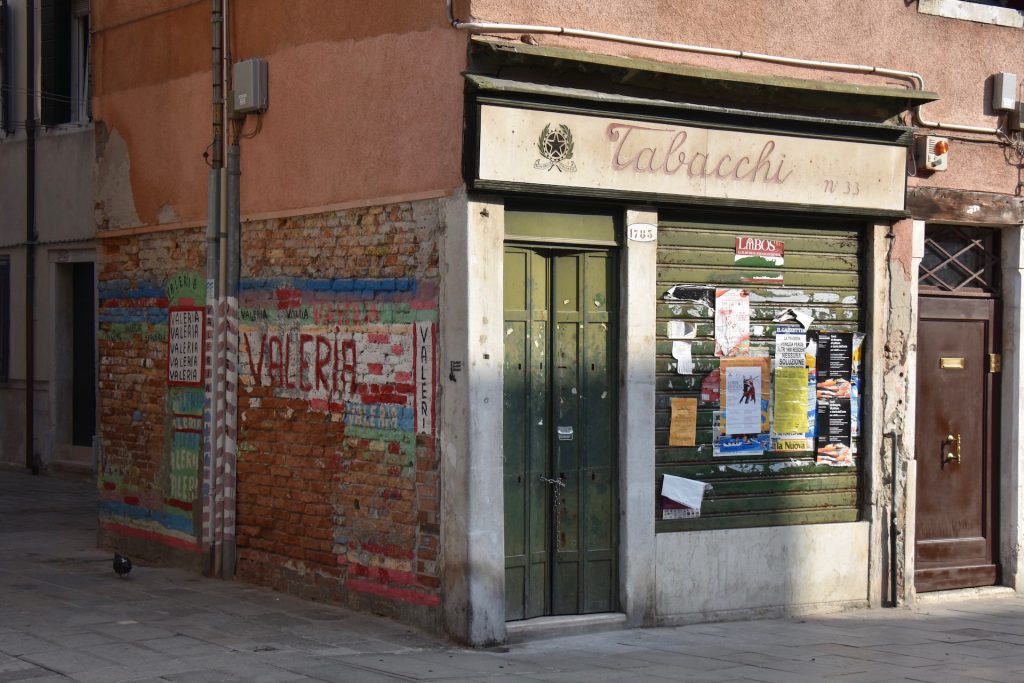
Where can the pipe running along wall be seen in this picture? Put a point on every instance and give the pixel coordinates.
(30, 235)
(222, 314)
(916, 78)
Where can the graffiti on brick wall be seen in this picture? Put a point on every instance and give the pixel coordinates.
(364, 352)
(186, 446)
(185, 334)
(186, 396)
(363, 349)
(137, 321)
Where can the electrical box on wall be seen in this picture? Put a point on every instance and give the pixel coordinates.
(932, 153)
(1015, 121)
(1004, 92)
(248, 87)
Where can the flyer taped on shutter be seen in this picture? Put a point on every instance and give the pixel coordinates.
(687, 493)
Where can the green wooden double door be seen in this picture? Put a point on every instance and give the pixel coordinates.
(560, 445)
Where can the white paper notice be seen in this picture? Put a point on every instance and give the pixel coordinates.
(795, 315)
(680, 329)
(688, 492)
(684, 358)
(742, 400)
(732, 323)
(789, 348)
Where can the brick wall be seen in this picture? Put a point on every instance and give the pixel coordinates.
(338, 491)
(150, 437)
(337, 466)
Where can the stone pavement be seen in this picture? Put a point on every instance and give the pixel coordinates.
(65, 616)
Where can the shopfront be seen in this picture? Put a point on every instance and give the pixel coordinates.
(671, 348)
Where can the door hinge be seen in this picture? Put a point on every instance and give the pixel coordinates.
(995, 362)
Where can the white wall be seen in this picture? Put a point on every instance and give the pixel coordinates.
(736, 573)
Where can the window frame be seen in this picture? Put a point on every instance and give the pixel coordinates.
(977, 11)
(5, 317)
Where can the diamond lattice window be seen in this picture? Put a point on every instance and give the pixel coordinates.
(958, 260)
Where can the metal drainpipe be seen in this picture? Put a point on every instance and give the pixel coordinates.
(230, 454)
(221, 369)
(214, 199)
(30, 237)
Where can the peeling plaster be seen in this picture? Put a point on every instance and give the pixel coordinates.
(167, 214)
(115, 202)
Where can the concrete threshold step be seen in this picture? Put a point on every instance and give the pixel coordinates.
(980, 593)
(566, 625)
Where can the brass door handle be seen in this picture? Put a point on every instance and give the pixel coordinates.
(953, 455)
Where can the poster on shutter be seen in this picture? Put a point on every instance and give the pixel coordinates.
(745, 387)
(834, 389)
(682, 429)
(759, 252)
(834, 437)
(696, 301)
(680, 329)
(682, 498)
(740, 445)
(724, 445)
(856, 379)
(790, 343)
(790, 405)
(834, 364)
(710, 388)
(684, 358)
(732, 323)
(799, 441)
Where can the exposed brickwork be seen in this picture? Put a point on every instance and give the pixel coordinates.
(337, 470)
(148, 496)
(337, 490)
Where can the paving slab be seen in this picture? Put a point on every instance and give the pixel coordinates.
(67, 617)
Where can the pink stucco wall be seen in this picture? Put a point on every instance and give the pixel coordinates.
(368, 104)
(364, 105)
(955, 57)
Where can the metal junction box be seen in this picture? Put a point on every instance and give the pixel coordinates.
(1004, 91)
(248, 87)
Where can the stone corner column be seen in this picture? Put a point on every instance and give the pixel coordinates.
(470, 391)
(638, 315)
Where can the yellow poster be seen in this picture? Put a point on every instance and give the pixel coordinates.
(683, 427)
(791, 401)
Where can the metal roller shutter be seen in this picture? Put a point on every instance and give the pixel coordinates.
(822, 275)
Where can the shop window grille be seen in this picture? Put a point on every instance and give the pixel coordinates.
(961, 261)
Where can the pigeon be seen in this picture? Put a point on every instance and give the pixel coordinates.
(122, 565)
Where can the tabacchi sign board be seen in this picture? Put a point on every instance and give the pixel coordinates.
(598, 153)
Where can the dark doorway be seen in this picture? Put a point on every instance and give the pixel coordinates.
(83, 344)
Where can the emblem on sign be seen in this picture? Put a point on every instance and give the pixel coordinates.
(555, 145)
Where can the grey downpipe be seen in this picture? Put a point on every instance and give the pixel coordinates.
(213, 264)
(30, 237)
(230, 454)
(227, 363)
(916, 78)
(234, 220)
